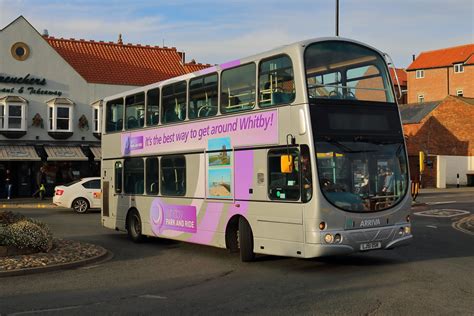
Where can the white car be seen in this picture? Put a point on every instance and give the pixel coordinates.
(80, 195)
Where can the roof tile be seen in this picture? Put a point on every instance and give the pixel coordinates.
(444, 57)
(113, 63)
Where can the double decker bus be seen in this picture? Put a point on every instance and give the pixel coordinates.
(297, 151)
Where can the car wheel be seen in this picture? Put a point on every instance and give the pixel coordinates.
(134, 227)
(80, 205)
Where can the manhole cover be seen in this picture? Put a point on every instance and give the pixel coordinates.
(444, 212)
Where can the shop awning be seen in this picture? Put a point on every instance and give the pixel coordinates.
(18, 153)
(97, 152)
(65, 153)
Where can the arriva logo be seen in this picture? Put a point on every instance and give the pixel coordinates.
(370, 222)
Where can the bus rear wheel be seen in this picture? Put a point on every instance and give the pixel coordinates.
(134, 226)
(245, 241)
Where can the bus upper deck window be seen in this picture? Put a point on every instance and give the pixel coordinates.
(114, 115)
(153, 107)
(203, 96)
(173, 102)
(276, 82)
(238, 89)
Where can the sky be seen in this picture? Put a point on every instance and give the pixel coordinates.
(216, 31)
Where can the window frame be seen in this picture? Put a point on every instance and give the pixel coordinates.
(53, 117)
(107, 107)
(459, 92)
(150, 114)
(133, 101)
(118, 177)
(162, 182)
(258, 87)
(96, 119)
(5, 116)
(126, 175)
(203, 88)
(421, 98)
(221, 92)
(163, 96)
(277, 152)
(157, 174)
(420, 74)
(458, 68)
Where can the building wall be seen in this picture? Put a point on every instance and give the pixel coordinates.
(450, 167)
(434, 86)
(45, 62)
(448, 130)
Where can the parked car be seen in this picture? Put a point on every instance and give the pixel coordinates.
(80, 195)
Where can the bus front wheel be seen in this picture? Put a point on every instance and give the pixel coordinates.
(245, 241)
(134, 226)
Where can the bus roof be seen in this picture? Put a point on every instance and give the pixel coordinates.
(275, 51)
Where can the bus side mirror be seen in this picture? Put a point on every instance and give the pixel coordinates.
(286, 163)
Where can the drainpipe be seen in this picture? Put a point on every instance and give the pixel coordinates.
(447, 75)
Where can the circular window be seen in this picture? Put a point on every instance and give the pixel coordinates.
(20, 51)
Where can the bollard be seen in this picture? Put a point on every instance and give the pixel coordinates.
(457, 181)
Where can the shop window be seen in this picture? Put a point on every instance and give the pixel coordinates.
(173, 175)
(135, 111)
(173, 102)
(12, 114)
(238, 89)
(152, 176)
(283, 184)
(133, 171)
(60, 115)
(276, 83)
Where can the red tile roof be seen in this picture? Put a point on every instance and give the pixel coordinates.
(444, 57)
(401, 74)
(122, 64)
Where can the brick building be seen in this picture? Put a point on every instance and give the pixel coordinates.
(50, 98)
(433, 75)
(401, 85)
(444, 130)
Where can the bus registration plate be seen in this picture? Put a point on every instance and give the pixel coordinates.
(371, 245)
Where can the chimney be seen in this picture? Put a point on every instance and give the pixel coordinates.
(413, 57)
(45, 33)
(119, 41)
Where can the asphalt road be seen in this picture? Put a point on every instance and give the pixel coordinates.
(432, 276)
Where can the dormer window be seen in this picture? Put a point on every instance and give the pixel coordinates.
(13, 113)
(96, 116)
(420, 73)
(60, 115)
(458, 68)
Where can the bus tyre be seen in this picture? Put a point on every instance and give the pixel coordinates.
(80, 205)
(134, 227)
(245, 241)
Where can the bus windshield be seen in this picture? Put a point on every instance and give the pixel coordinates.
(344, 70)
(362, 176)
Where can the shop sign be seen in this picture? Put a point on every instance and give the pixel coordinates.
(27, 80)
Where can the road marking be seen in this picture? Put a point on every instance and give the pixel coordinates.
(444, 212)
(158, 297)
(457, 225)
(437, 203)
(48, 310)
(431, 226)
